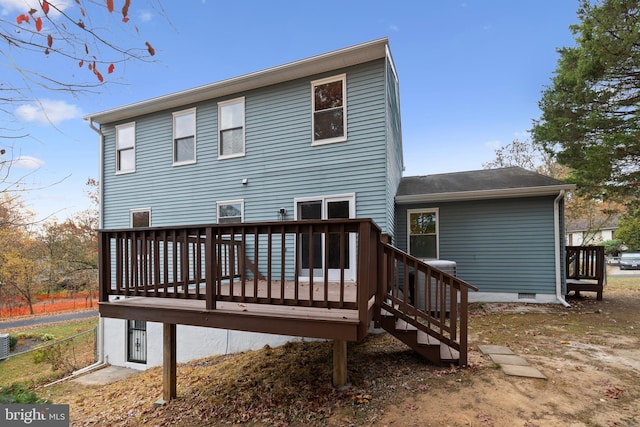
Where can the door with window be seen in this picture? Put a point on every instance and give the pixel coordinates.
(137, 329)
(137, 341)
(311, 248)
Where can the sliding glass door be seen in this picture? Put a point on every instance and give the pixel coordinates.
(317, 250)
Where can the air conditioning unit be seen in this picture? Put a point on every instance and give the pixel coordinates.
(4, 346)
(443, 265)
(448, 267)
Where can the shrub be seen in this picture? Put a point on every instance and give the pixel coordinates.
(18, 393)
(612, 247)
(47, 337)
(13, 340)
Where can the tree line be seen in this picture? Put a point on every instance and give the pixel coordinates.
(590, 112)
(46, 257)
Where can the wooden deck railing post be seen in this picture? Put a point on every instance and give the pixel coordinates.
(168, 362)
(363, 275)
(381, 279)
(464, 320)
(104, 266)
(339, 362)
(210, 269)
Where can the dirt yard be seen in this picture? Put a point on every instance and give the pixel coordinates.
(590, 354)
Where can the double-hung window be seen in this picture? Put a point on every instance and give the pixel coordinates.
(184, 137)
(126, 148)
(329, 106)
(230, 211)
(231, 128)
(423, 233)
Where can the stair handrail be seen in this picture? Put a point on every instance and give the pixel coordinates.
(453, 332)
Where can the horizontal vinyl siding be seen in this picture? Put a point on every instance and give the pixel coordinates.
(394, 146)
(280, 163)
(504, 245)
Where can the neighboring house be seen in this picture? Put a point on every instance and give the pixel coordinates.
(315, 139)
(585, 231)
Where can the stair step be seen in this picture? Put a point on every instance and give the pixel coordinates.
(385, 313)
(448, 354)
(401, 325)
(426, 339)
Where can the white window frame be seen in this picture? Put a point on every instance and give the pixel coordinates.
(190, 111)
(350, 274)
(350, 197)
(230, 202)
(221, 105)
(343, 79)
(138, 210)
(119, 128)
(435, 211)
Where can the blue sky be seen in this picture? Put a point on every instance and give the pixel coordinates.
(471, 73)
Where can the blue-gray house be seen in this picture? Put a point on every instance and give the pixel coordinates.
(284, 187)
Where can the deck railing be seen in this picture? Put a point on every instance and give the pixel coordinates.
(325, 264)
(584, 262)
(585, 269)
(300, 263)
(426, 297)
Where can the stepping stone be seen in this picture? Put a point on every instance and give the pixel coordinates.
(522, 371)
(508, 359)
(494, 349)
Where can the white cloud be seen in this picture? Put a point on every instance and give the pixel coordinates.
(145, 16)
(23, 6)
(493, 145)
(48, 111)
(27, 162)
(7, 6)
(522, 136)
(394, 28)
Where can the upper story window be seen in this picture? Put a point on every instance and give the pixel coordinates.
(184, 137)
(230, 211)
(126, 148)
(329, 100)
(231, 128)
(423, 233)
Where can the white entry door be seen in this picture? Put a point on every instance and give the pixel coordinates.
(330, 207)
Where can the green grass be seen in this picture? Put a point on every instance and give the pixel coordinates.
(74, 354)
(18, 393)
(624, 282)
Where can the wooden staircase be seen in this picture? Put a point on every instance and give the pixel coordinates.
(422, 306)
(421, 342)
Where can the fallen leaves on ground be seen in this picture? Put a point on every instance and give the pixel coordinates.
(283, 386)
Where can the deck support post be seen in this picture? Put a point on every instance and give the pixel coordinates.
(168, 361)
(339, 363)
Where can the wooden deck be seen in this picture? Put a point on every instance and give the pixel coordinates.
(274, 317)
(322, 279)
(585, 269)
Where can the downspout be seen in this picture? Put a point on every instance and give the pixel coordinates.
(100, 332)
(557, 241)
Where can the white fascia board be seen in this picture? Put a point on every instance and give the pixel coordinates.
(502, 193)
(346, 57)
